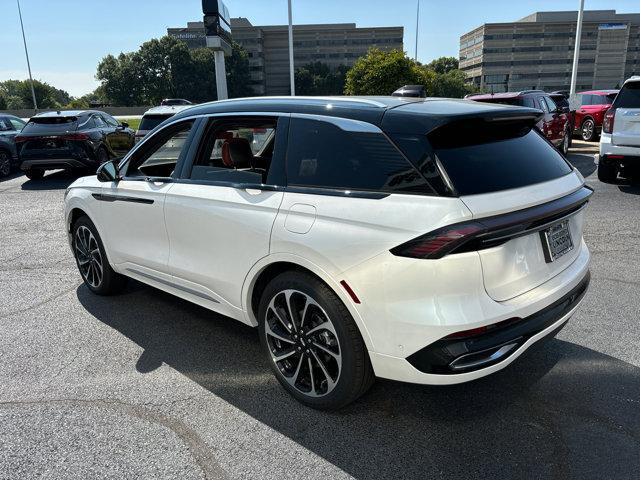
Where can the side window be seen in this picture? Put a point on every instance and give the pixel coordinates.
(86, 123)
(5, 125)
(161, 154)
(17, 124)
(543, 105)
(236, 150)
(322, 155)
(109, 120)
(99, 122)
(528, 102)
(586, 100)
(551, 104)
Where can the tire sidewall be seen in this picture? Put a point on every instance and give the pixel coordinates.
(5, 164)
(593, 130)
(336, 311)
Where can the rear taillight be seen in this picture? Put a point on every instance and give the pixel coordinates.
(440, 242)
(77, 136)
(74, 136)
(607, 122)
(20, 138)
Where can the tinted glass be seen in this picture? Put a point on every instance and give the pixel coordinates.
(50, 124)
(551, 104)
(585, 99)
(149, 122)
(5, 125)
(110, 120)
(323, 155)
(629, 96)
(543, 105)
(86, 123)
(503, 164)
(17, 124)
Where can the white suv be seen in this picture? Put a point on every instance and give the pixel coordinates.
(422, 240)
(620, 139)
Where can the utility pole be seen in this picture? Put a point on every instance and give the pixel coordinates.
(576, 54)
(291, 68)
(26, 53)
(417, 28)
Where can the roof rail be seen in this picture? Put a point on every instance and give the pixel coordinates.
(522, 92)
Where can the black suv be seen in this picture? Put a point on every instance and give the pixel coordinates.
(9, 128)
(71, 140)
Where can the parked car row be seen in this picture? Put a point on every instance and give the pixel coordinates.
(72, 139)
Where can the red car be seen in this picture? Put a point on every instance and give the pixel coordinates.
(555, 124)
(593, 105)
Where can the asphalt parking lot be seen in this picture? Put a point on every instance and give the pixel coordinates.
(144, 385)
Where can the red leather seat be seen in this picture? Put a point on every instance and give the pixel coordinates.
(237, 153)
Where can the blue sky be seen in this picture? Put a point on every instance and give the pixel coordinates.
(67, 38)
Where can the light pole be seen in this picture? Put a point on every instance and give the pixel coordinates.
(26, 53)
(417, 27)
(576, 54)
(291, 71)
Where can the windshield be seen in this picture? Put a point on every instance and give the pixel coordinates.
(629, 96)
(51, 124)
(149, 122)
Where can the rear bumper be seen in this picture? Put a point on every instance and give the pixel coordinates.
(57, 163)
(630, 154)
(543, 311)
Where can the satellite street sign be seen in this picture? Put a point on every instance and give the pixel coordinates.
(217, 26)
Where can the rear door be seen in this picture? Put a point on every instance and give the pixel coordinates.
(626, 126)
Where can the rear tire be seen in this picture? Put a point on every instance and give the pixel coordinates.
(324, 362)
(566, 141)
(607, 173)
(34, 174)
(588, 130)
(91, 259)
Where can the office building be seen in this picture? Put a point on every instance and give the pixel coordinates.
(536, 52)
(268, 49)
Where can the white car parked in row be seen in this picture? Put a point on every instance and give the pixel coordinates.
(620, 138)
(422, 240)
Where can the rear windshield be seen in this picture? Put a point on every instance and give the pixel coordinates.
(149, 122)
(478, 157)
(629, 96)
(51, 124)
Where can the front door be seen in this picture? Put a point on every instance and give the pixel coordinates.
(219, 216)
(133, 207)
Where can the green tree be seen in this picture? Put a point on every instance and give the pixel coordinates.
(443, 64)
(318, 79)
(381, 73)
(17, 94)
(452, 85)
(164, 68)
(3, 102)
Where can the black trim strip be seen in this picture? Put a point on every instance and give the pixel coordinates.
(337, 192)
(105, 197)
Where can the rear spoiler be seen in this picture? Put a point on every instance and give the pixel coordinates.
(426, 117)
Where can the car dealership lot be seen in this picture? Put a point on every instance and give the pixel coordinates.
(146, 385)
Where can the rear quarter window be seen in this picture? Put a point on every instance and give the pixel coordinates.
(629, 96)
(149, 122)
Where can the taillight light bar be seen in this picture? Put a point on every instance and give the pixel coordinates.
(491, 231)
(607, 122)
(77, 136)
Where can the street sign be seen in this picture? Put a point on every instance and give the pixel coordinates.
(217, 28)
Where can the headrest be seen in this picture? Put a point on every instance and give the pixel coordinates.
(236, 153)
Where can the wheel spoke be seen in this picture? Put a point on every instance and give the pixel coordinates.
(287, 296)
(330, 381)
(282, 322)
(283, 356)
(294, 378)
(313, 383)
(326, 350)
(270, 332)
(326, 325)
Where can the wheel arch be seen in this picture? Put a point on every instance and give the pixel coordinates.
(270, 267)
(587, 117)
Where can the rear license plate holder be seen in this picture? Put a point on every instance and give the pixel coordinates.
(556, 241)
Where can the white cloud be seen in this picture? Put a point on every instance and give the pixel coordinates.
(76, 83)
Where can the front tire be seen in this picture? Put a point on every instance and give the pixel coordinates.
(312, 343)
(588, 130)
(92, 261)
(607, 173)
(34, 174)
(5, 164)
(566, 141)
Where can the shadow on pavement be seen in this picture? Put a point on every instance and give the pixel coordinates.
(11, 176)
(57, 180)
(583, 162)
(562, 411)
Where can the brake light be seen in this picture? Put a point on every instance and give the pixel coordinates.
(440, 242)
(75, 136)
(474, 332)
(607, 122)
(78, 136)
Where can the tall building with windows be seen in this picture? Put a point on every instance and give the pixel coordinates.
(334, 44)
(536, 52)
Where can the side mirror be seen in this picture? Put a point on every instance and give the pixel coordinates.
(124, 125)
(108, 172)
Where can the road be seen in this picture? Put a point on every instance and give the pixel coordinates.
(144, 385)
